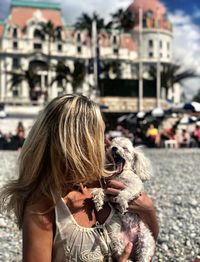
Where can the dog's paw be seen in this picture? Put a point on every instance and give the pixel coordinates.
(98, 198)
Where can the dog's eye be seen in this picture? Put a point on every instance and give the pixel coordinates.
(125, 149)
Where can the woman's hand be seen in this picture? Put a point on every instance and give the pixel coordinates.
(142, 205)
(126, 253)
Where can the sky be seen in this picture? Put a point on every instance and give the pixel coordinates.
(184, 14)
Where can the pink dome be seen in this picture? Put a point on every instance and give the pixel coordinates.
(154, 14)
(154, 5)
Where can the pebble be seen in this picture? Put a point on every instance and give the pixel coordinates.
(174, 189)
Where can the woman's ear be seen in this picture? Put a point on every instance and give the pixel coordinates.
(141, 165)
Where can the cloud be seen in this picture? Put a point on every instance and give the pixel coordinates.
(187, 48)
(72, 9)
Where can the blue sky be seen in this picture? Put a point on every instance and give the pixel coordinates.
(184, 14)
(189, 7)
(192, 8)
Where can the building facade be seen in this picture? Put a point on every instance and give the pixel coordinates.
(23, 49)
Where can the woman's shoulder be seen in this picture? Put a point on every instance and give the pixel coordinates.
(40, 212)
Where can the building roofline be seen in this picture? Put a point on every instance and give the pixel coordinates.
(40, 5)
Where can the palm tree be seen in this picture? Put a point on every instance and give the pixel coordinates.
(31, 77)
(123, 20)
(171, 74)
(65, 75)
(78, 74)
(110, 69)
(84, 22)
(52, 33)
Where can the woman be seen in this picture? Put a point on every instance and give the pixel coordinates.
(61, 161)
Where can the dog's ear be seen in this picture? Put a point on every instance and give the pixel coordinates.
(141, 164)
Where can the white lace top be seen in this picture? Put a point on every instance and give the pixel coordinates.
(73, 242)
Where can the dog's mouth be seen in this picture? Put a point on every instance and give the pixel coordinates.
(119, 161)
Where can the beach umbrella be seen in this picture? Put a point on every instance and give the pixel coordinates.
(157, 112)
(187, 120)
(192, 106)
(141, 115)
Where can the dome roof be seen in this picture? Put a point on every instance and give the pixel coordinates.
(154, 14)
(148, 5)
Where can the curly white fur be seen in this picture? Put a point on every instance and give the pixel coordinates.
(136, 169)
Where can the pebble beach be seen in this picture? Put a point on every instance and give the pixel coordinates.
(175, 189)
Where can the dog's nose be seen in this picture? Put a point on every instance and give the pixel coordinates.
(114, 149)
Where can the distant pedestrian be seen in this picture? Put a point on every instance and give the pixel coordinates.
(184, 138)
(152, 136)
(196, 134)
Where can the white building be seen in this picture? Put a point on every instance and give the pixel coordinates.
(22, 47)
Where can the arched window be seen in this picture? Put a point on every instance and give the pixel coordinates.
(38, 34)
(15, 33)
(78, 37)
(114, 40)
(150, 43)
(149, 13)
(58, 34)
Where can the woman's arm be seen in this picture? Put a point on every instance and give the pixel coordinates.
(37, 235)
(143, 206)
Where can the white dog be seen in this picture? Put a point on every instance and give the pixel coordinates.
(132, 169)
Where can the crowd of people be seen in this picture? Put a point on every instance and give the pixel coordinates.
(9, 141)
(152, 136)
(155, 137)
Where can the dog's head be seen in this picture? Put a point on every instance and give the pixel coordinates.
(128, 157)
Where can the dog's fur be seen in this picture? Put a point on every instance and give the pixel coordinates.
(136, 168)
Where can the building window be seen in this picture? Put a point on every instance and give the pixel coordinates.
(150, 43)
(59, 47)
(15, 45)
(46, 80)
(114, 40)
(79, 49)
(149, 13)
(150, 54)
(161, 44)
(38, 34)
(15, 89)
(168, 46)
(116, 51)
(16, 63)
(37, 46)
(14, 32)
(15, 92)
(161, 55)
(78, 38)
(58, 34)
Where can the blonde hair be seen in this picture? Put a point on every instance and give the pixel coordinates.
(64, 147)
